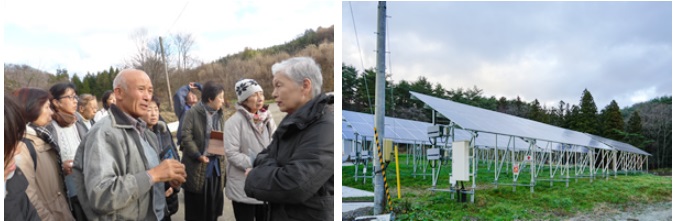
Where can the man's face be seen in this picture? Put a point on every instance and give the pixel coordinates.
(135, 99)
(191, 99)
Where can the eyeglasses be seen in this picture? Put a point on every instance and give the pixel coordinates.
(72, 97)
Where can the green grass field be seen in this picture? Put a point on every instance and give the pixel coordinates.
(546, 203)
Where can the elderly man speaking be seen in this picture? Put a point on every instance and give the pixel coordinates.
(117, 170)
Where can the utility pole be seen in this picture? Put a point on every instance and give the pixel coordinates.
(167, 79)
(378, 182)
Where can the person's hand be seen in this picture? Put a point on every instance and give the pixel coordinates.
(67, 166)
(168, 192)
(168, 170)
(175, 184)
(204, 159)
(248, 170)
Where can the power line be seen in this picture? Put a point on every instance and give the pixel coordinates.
(178, 16)
(361, 57)
(356, 36)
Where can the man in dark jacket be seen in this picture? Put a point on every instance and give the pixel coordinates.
(295, 173)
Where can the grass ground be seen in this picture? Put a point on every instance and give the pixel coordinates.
(551, 203)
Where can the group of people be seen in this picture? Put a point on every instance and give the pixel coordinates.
(64, 160)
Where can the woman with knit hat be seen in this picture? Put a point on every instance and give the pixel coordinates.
(246, 133)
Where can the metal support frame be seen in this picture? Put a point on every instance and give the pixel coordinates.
(361, 161)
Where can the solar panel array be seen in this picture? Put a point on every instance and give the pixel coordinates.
(398, 130)
(408, 131)
(478, 119)
(620, 145)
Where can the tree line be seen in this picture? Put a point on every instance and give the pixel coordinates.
(645, 125)
(183, 67)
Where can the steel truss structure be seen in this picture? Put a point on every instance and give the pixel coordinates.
(545, 152)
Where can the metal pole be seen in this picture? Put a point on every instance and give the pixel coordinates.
(378, 183)
(357, 158)
(495, 168)
(616, 170)
(167, 79)
(592, 162)
(532, 145)
(396, 159)
(551, 164)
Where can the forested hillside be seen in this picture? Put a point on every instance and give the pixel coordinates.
(645, 125)
(184, 68)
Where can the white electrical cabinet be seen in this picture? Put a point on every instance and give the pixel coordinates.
(460, 161)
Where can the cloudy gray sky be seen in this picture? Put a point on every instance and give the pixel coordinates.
(549, 51)
(89, 36)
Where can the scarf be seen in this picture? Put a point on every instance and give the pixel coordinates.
(64, 119)
(45, 135)
(213, 118)
(259, 118)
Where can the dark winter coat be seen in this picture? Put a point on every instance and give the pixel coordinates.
(167, 151)
(17, 205)
(295, 173)
(193, 145)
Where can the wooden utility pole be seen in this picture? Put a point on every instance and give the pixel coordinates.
(167, 79)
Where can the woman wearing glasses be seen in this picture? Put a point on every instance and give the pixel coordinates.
(39, 157)
(68, 132)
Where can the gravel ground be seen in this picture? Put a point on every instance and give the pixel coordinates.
(228, 213)
(651, 212)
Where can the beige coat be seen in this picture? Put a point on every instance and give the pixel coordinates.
(242, 143)
(45, 186)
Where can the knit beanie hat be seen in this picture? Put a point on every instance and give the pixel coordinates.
(246, 87)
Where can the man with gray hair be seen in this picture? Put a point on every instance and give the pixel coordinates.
(117, 170)
(295, 173)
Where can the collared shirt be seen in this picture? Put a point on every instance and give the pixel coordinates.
(151, 154)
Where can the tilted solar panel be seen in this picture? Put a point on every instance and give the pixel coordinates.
(478, 119)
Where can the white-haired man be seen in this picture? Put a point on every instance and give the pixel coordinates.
(295, 173)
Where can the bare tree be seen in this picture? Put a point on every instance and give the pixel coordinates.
(183, 43)
(149, 58)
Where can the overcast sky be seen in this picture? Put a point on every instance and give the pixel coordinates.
(84, 36)
(549, 51)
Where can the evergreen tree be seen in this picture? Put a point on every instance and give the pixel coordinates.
(402, 95)
(349, 87)
(422, 86)
(79, 84)
(439, 91)
(587, 119)
(85, 88)
(634, 124)
(535, 112)
(366, 92)
(612, 123)
(502, 105)
(561, 109)
(90, 82)
(573, 117)
(517, 108)
(455, 95)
